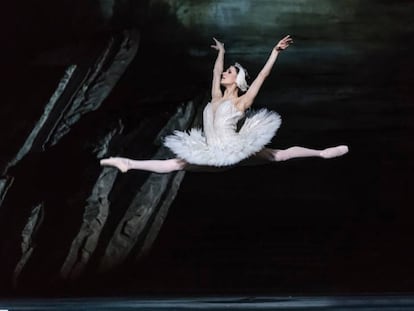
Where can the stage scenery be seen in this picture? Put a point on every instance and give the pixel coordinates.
(268, 218)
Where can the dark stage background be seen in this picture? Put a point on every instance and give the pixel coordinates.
(304, 226)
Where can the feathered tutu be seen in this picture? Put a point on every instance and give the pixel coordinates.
(219, 144)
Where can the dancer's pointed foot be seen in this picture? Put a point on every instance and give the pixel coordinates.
(120, 163)
(334, 152)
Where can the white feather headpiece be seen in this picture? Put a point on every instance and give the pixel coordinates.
(241, 78)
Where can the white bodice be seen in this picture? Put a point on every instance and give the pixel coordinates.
(219, 143)
(220, 125)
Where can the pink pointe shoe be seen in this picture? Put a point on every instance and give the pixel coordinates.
(120, 163)
(334, 152)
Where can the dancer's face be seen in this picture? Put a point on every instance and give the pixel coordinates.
(229, 76)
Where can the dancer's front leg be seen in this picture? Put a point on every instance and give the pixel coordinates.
(301, 152)
(156, 166)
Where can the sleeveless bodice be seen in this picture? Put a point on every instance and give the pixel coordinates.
(219, 143)
(220, 125)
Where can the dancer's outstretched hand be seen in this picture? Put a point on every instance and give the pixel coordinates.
(284, 43)
(219, 46)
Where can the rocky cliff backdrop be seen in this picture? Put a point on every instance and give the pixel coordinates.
(83, 80)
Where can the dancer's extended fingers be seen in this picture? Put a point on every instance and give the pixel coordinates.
(284, 43)
(219, 45)
(218, 42)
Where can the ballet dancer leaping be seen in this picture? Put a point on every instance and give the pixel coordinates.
(219, 144)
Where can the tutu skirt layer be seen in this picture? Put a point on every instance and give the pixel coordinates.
(226, 147)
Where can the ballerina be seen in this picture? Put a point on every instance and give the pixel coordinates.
(219, 144)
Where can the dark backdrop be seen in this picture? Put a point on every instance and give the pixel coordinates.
(301, 226)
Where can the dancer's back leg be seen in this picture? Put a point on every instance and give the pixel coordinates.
(301, 152)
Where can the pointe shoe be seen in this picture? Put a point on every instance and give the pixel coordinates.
(119, 163)
(334, 152)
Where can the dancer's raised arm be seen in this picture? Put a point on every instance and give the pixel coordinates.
(217, 71)
(219, 145)
(248, 98)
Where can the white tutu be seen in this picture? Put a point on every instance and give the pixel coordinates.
(220, 144)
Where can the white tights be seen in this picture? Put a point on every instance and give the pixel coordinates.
(171, 165)
(156, 166)
(301, 152)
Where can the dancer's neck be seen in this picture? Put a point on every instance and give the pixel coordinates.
(231, 92)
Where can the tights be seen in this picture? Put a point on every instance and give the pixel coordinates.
(273, 155)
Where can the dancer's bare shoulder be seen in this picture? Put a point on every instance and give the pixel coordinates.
(241, 103)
